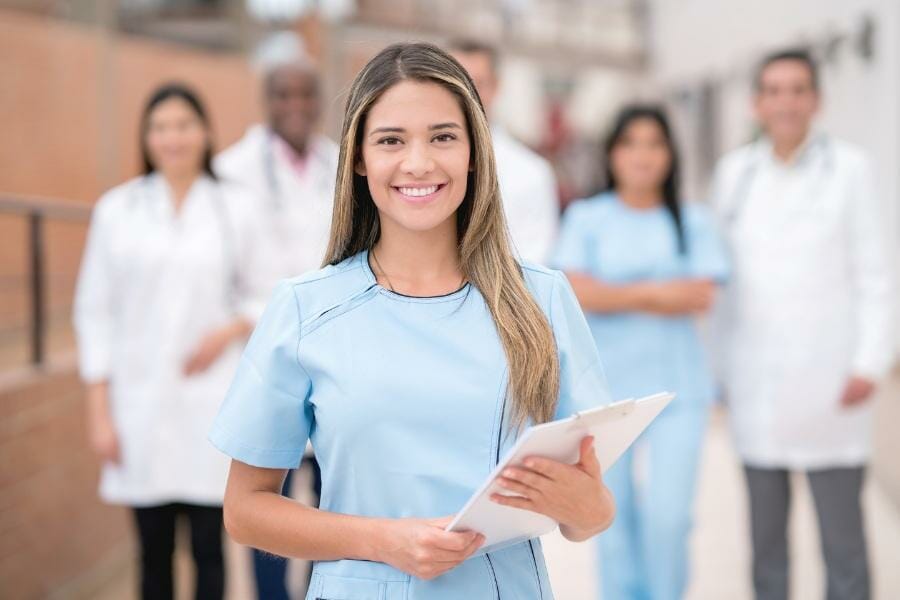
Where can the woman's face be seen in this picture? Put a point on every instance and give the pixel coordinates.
(641, 158)
(415, 156)
(176, 137)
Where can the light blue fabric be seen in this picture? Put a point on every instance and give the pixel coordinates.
(404, 400)
(643, 556)
(642, 353)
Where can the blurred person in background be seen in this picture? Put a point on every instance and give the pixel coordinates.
(169, 289)
(292, 169)
(644, 265)
(806, 328)
(527, 183)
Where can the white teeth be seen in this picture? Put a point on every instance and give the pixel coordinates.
(418, 192)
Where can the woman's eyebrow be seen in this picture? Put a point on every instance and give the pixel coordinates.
(386, 130)
(447, 125)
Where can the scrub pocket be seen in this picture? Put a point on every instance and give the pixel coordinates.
(334, 587)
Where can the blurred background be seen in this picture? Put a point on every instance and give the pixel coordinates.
(75, 74)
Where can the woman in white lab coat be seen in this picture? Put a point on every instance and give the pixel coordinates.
(168, 290)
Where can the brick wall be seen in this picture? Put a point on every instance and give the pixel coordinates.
(54, 530)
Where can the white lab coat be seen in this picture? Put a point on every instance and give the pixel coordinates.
(296, 207)
(530, 198)
(152, 284)
(809, 303)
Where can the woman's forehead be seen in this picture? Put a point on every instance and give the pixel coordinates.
(415, 105)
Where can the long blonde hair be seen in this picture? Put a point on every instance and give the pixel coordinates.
(485, 256)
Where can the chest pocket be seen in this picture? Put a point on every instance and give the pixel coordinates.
(334, 587)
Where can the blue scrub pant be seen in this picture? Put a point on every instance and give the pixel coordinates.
(644, 554)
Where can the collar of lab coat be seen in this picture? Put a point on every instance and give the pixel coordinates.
(156, 190)
(812, 148)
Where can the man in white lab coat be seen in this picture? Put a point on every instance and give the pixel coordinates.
(287, 163)
(527, 183)
(806, 323)
(292, 169)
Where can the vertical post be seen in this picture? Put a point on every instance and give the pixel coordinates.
(36, 262)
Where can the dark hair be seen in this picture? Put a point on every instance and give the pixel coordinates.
(800, 55)
(670, 186)
(160, 95)
(471, 46)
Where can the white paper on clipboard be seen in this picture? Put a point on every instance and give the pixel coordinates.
(614, 427)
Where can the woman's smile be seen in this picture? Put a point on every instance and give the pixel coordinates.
(418, 193)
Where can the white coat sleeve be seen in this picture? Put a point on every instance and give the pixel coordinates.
(256, 265)
(536, 220)
(872, 279)
(93, 306)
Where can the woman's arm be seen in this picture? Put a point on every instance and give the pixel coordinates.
(669, 298)
(215, 342)
(101, 430)
(257, 515)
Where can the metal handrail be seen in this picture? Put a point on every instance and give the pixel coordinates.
(37, 210)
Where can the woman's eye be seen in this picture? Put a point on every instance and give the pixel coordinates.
(444, 137)
(389, 141)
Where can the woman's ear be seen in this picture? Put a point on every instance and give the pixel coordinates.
(359, 166)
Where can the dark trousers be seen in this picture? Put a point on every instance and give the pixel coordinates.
(156, 532)
(271, 570)
(836, 494)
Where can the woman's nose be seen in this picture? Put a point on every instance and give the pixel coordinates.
(418, 161)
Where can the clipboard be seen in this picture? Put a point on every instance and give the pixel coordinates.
(614, 427)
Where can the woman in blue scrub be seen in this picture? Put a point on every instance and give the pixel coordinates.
(644, 266)
(411, 361)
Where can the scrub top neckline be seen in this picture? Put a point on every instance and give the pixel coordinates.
(370, 275)
(637, 211)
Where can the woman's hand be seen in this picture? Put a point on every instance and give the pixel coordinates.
(572, 495)
(679, 297)
(857, 391)
(213, 345)
(101, 431)
(421, 547)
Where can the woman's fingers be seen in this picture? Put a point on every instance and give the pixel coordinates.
(452, 540)
(587, 460)
(514, 501)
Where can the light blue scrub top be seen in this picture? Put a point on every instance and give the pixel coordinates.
(404, 400)
(643, 353)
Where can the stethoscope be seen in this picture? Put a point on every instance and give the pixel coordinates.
(274, 186)
(751, 170)
(229, 243)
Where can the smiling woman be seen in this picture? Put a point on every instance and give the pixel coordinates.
(411, 361)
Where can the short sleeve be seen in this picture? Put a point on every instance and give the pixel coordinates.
(707, 253)
(582, 383)
(265, 419)
(572, 245)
